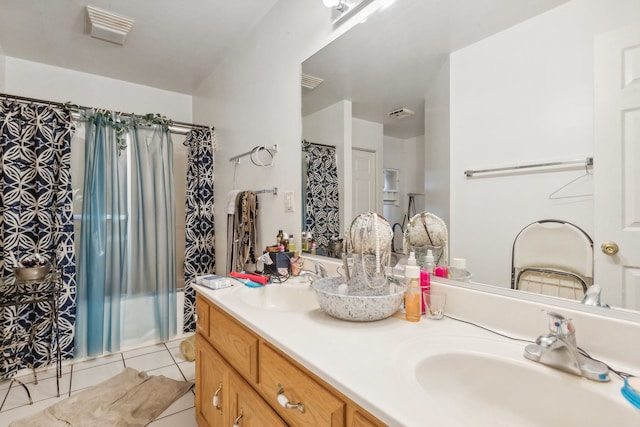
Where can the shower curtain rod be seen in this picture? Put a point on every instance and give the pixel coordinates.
(318, 144)
(176, 127)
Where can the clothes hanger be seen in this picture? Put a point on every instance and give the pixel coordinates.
(554, 195)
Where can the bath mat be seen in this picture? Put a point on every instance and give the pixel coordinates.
(130, 398)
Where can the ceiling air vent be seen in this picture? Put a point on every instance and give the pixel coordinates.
(105, 25)
(310, 82)
(401, 113)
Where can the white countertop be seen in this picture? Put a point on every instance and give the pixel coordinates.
(374, 363)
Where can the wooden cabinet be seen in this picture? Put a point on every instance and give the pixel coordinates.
(210, 378)
(243, 379)
(223, 397)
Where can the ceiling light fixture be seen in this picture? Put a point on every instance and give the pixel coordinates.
(105, 25)
(344, 8)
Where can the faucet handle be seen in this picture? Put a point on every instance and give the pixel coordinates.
(560, 325)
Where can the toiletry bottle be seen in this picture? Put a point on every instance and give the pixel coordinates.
(313, 248)
(458, 270)
(305, 242)
(292, 245)
(441, 271)
(429, 263)
(425, 286)
(412, 296)
(279, 237)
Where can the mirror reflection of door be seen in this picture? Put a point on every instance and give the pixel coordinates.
(364, 181)
(617, 153)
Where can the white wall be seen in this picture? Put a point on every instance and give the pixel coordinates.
(254, 98)
(35, 80)
(524, 95)
(437, 147)
(3, 66)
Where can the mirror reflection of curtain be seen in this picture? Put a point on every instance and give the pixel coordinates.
(200, 257)
(36, 217)
(127, 247)
(321, 199)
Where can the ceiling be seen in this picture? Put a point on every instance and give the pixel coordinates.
(392, 60)
(174, 45)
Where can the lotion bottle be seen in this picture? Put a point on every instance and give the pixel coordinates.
(413, 294)
(429, 263)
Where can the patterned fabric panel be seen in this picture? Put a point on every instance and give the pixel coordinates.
(36, 217)
(199, 227)
(322, 216)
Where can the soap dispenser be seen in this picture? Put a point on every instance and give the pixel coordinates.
(413, 294)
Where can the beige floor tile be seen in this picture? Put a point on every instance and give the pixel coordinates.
(186, 418)
(95, 375)
(150, 361)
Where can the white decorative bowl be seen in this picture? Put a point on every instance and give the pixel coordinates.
(368, 305)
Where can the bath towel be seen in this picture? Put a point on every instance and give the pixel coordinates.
(130, 398)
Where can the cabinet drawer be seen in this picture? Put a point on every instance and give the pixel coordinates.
(321, 407)
(235, 343)
(202, 315)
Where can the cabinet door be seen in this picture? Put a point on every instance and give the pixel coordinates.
(210, 385)
(202, 315)
(247, 407)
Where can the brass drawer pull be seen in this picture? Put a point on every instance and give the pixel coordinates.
(216, 399)
(284, 401)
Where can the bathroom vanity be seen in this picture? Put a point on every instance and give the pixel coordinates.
(243, 379)
(270, 356)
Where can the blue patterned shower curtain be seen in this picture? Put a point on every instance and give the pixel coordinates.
(200, 255)
(36, 217)
(321, 201)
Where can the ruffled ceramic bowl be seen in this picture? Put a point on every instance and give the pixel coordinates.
(366, 305)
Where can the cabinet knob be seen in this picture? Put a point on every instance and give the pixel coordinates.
(216, 398)
(284, 401)
(609, 248)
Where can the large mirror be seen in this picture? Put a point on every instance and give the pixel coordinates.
(477, 85)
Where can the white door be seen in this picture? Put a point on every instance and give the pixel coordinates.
(363, 181)
(617, 166)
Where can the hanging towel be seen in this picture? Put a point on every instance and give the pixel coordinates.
(231, 201)
(242, 231)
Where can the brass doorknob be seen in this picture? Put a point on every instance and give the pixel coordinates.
(610, 248)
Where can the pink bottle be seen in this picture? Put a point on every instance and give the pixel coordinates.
(425, 286)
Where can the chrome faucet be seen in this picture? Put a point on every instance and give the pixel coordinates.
(593, 297)
(320, 272)
(559, 350)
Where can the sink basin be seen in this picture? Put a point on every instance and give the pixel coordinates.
(488, 382)
(280, 297)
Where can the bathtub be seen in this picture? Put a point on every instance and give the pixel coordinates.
(139, 329)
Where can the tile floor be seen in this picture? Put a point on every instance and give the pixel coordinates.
(161, 359)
